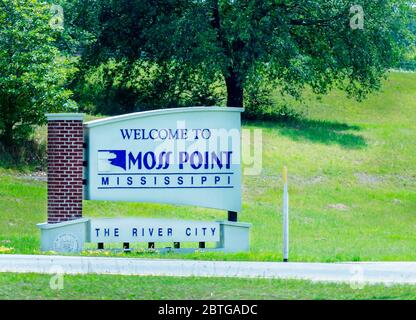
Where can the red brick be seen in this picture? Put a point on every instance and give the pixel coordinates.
(65, 155)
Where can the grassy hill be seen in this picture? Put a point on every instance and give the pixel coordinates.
(352, 176)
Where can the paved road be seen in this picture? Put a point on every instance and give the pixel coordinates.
(353, 272)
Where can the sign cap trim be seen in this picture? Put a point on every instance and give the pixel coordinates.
(65, 116)
(143, 114)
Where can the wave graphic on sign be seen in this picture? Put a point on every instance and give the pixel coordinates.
(110, 160)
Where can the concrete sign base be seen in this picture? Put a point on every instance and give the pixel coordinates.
(70, 236)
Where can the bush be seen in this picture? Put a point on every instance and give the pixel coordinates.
(260, 105)
(30, 153)
(117, 87)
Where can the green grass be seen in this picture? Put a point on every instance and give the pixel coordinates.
(35, 286)
(352, 175)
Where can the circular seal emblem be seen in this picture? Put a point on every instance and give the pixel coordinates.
(66, 242)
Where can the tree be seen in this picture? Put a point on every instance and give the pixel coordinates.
(32, 71)
(320, 43)
(120, 74)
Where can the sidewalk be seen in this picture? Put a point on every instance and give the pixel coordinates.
(366, 272)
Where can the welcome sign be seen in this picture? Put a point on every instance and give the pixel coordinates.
(180, 156)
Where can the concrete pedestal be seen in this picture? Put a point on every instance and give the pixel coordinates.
(235, 236)
(67, 237)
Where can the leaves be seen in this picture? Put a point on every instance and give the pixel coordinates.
(33, 72)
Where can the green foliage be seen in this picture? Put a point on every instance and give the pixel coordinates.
(117, 86)
(293, 45)
(119, 72)
(33, 73)
(80, 24)
(260, 104)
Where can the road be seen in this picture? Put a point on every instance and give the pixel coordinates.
(349, 272)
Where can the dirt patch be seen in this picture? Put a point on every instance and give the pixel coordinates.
(397, 201)
(37, 176)
(339, 207)
(365, 178)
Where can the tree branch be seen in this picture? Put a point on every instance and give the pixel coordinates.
(216, 24)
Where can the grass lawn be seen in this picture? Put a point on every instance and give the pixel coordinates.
(33, 286)
(352, 175)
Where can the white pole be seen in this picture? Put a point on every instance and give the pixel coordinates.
(285, 217)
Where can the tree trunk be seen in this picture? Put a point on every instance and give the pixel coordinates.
(234, 90)
(6, 137)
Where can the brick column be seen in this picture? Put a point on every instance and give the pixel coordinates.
(65, 174)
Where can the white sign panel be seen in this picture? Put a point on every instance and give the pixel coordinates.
(152, 230)
(181, 156)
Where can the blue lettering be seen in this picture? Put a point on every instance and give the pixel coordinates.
(146, 160)
(125, 133)
(163, 134)
(167, 162)
(173, 135)
(193, 155)
(206, 136)
(196, 133)
(167, 180)
(206, 164)
(105, 181)
(183, 158)
(228, 162)
(163, 164)
(151, 136)
(133, 160)
(214, 158)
